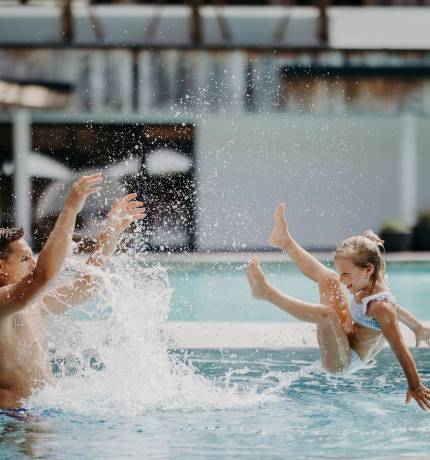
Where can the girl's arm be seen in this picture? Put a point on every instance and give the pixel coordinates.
(384, 313)
(422, 333)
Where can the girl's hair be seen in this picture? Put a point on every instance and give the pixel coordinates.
(363, 250)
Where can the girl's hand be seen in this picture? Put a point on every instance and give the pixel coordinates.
(421, 394)
(124, 212)
(422, 334)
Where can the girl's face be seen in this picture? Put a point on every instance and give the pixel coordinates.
(354, 278)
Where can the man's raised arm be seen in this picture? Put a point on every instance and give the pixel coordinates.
(50, 262)
(124, 212)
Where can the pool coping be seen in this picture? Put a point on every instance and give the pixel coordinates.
(272, 335)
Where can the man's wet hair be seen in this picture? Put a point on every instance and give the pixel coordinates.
(7, 235)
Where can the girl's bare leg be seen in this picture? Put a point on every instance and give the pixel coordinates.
(331, 292)
(332, 339)
(282, 239)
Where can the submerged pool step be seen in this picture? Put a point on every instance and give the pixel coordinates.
(250, 334)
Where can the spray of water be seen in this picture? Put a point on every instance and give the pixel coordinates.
(113, 356)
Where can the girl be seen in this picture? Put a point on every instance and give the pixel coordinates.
(348, 337)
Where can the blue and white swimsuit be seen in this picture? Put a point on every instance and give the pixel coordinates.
(358, 314)
(358, 310)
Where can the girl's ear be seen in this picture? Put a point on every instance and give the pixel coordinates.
(370, 269)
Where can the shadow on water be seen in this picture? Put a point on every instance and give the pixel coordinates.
(27, 438)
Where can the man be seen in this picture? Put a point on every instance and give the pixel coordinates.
(25, 294)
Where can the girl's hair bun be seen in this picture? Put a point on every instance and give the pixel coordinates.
(372, 236)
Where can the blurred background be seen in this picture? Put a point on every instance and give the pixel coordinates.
(216, 111)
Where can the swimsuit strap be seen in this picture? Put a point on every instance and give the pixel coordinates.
(379, 296)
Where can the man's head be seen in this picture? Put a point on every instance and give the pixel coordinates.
(16, 256)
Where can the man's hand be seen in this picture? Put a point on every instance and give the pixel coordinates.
(422, 334)
(81, 189)
(124, 212)
(421, 394)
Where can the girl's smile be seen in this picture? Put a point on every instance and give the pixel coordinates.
(352, 277)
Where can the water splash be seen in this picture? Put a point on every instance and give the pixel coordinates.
(113, 356)
(281, 381)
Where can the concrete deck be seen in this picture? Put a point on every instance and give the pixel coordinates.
(251, 334)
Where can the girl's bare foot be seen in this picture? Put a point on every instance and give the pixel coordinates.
(257, 280)
(280, 235)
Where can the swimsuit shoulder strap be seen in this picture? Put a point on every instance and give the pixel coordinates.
(380, 296)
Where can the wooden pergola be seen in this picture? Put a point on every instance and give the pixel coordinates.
(196, 20)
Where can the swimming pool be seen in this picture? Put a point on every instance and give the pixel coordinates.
(124, 392)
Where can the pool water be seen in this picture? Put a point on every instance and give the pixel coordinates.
(220, 292)
(305, 415)
(123, 390)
